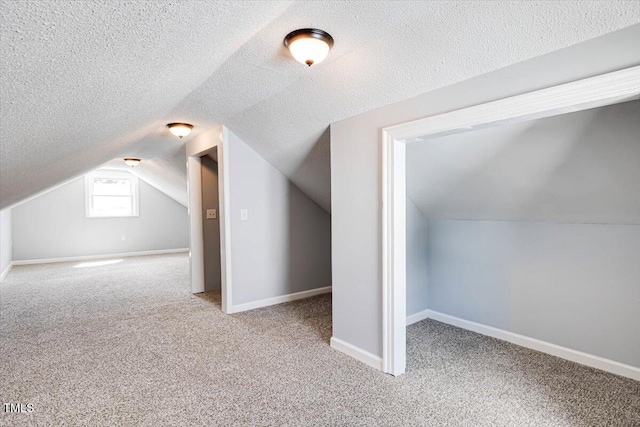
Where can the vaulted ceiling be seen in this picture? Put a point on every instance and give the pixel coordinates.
(581, 167)
(86, 82)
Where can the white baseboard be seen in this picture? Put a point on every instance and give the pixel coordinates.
(6, 271)
(91, 257)
(542, 346)
(417, 317)
(279, 299)
(357, 353)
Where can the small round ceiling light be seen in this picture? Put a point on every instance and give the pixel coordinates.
(309, 45)
(180, 129)
(132, 161)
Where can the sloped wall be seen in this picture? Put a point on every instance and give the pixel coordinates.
(542, 236)
(285, 244)
(356, 173)
(579, 167)
(53, 225)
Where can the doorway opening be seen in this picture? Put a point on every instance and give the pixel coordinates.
(600, 91)
(209, 225)
(211, 222)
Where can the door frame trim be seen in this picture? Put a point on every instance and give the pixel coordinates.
(606, 89)
(214, 139)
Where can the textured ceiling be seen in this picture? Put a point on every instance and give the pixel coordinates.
(164, 173)
(580, 167)
(84, 82)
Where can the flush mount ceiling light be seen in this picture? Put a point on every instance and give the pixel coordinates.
(132, 161)
(309, 45)
(180, 129)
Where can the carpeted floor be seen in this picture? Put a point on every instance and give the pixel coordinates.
(127, 344)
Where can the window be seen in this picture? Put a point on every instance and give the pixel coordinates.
(111, 194)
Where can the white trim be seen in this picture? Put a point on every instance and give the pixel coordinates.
(6, 271)
(394, 236)
(417, 317)
(593, 92)
(224, 166)
(111, 173)
(279, 299)
(194, 210)
(357, 353)
(105, 256)
(542, 346)
(214, 139)
(606, 89)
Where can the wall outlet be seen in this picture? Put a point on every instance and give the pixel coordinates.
(123, 238)
(212, 214)
(244, 215)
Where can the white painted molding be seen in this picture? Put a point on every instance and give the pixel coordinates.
(214, 139)
(279, 299)
(357, 353)
(224, 190)
(417, 317)
(92, 257)
(593, 92)
(196, 237)
(606, 89)
(542, 346)
(120, 174)
(394, 269)
(6, 271)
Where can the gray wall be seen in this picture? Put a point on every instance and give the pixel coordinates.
(285, 246)
(356, 171)
(581, 167)
(574, 285)
(54, 225)
(5, 240)
(545, 240)
(211, 227)
(417, 260)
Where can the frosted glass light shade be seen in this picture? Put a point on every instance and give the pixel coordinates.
(180, 129)
(309, 45)
(133, 162)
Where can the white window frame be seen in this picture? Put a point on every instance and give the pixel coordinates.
(116, 174)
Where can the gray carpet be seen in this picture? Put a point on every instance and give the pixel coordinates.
(127, 344)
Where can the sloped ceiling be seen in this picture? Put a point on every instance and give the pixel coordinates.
(582, 167)
(85, 82)
(165, 174)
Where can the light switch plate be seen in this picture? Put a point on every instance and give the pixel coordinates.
(244, 214)
(212, 214)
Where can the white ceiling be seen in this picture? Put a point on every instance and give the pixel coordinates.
(581, 167)
(165, 174)
(85, 82)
